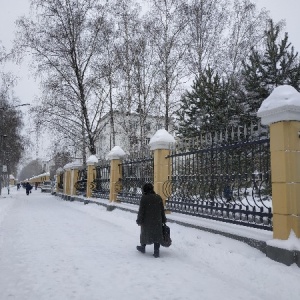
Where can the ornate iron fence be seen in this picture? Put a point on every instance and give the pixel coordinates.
(137, 169)
(80, 184)
(223, 177)
(100, 185)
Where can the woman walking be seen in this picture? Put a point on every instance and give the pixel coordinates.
(151, 216)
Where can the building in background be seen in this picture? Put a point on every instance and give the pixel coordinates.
(129, 134)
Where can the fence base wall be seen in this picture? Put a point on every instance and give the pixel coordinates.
(287, 257)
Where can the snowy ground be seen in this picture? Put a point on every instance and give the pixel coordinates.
(53, 249)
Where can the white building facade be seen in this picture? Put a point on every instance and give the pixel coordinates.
(128, 133)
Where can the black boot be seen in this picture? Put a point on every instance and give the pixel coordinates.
(156, 250)
(141, 248)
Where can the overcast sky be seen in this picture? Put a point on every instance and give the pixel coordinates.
(27, 88)
(11, 9)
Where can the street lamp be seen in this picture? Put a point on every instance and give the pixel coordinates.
(1, 140)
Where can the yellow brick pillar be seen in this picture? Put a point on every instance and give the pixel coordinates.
(74, 176)
(160, 143)
(67, 179)
(281, 111)
(59, 171)
(115, 156)
(91, 173)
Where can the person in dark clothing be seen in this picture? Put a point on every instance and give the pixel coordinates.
(151, 216)
(227, 193)
(28, 188)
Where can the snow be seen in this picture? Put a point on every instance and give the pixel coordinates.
(161, 140)
(59, 170)
(92, 159)
(280, 97)
(292, 243)
(283, 104)
(116, 153)
(54, 249)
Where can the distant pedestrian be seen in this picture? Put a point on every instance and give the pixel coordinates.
(18, 186)
(151, 216)
(28, 188)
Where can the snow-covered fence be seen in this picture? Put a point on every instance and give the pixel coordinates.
(81, 181)
(137, 169)
(100, 184)
(223, 176)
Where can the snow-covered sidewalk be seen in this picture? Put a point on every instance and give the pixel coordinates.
(54, 249)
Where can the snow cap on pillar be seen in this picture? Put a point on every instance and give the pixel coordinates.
(116, 153)
(92, 160)
(161, 140)
(282, 105)
(59, 170)
(68, 166)
(76, 164)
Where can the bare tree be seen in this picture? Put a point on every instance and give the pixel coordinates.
(11, 140)
(146, 81)
(106, 70)
(246, 30)
(32, 168)
(207, 23)
(128, 23)
(166, 31)
(63, 39)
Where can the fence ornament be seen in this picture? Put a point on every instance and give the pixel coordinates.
(118, 186)
(162, 139)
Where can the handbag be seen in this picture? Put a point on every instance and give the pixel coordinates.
(167, 241)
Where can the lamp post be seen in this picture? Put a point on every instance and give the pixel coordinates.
(2, 136)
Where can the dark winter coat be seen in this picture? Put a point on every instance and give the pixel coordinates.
(151, 216)
(28, 187)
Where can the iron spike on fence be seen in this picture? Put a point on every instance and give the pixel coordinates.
(232, 133)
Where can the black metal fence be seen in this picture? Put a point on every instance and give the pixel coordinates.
(80, 184)
(223, 176)
(137, 169)
(100, 185)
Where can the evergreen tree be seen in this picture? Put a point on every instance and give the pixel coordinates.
(278, 65)
(207, 106)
